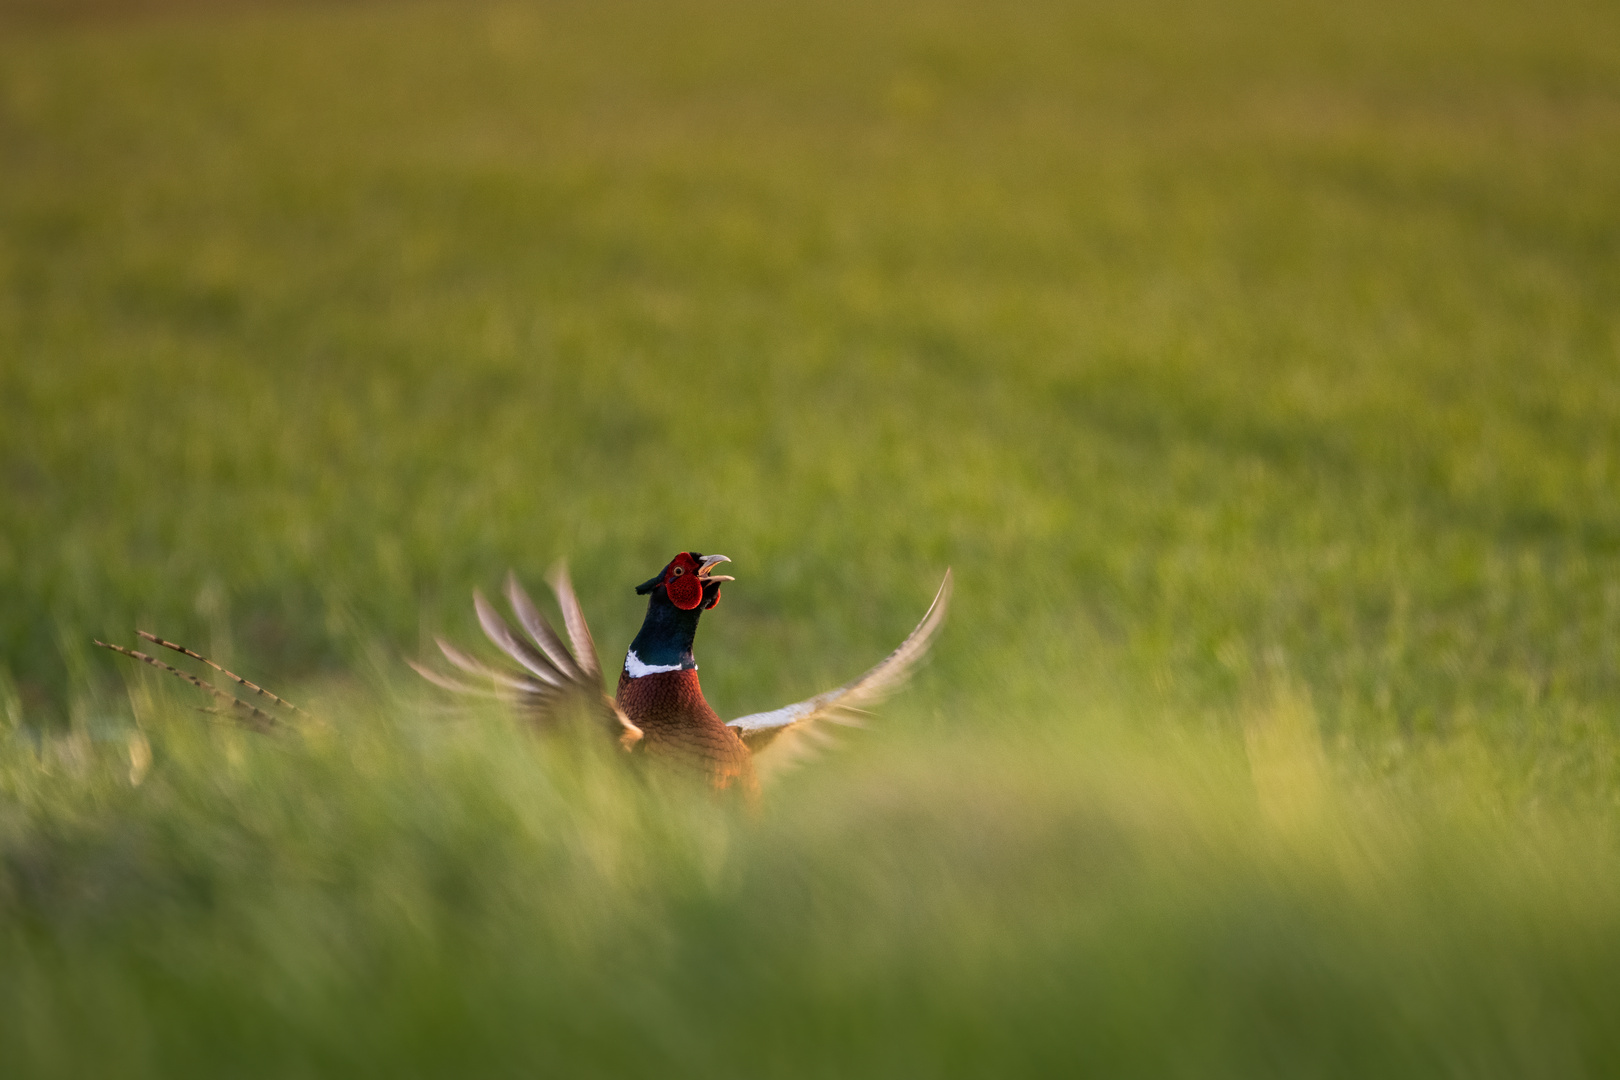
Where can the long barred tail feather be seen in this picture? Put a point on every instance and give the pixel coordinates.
(255, 717)
(255, 687)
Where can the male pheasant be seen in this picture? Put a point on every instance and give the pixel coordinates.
(660, 710)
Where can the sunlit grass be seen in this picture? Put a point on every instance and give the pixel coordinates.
(1253, 366)
(393, 893)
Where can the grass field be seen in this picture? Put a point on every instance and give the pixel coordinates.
(1256, 366)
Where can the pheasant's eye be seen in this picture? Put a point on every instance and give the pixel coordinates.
(679, 570)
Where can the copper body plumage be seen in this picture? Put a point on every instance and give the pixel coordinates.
(678, 726)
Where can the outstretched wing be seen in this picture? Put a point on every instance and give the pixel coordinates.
(551, 681)
(792, 732)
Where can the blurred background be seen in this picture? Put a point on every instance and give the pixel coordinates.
(1256, 365)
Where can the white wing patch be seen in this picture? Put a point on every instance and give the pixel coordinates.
(776, 718)
(792, 731)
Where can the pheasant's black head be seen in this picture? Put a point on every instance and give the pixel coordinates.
(688, 582)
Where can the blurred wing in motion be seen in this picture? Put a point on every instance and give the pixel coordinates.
(793, 732)
(551, 681)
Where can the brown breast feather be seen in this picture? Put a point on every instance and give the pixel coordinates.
(680, 727)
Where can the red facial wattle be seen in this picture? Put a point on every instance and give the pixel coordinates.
(682, 584)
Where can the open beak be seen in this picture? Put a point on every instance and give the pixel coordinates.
(709, 563)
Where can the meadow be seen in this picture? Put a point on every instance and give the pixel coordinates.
(1255, 366)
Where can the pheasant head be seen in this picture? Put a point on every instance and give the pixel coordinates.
(681, 592)
(688, 582)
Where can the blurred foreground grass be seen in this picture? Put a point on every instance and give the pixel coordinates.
(388, 897)
(1255, 365)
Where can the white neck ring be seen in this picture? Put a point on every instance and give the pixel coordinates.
(634, 668)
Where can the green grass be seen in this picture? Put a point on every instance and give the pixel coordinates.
(1256, 366)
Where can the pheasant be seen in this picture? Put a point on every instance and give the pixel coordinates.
(659, 710)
